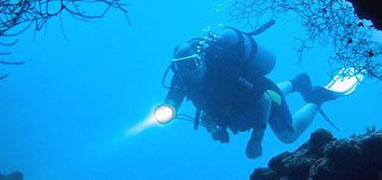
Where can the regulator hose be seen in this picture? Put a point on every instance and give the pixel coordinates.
(165, 77)
(262, 28)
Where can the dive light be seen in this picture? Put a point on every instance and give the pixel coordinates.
(164, 113)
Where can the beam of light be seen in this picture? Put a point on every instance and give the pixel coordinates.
(162, 114)
(139, 127)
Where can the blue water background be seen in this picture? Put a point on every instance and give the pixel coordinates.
(65, 113)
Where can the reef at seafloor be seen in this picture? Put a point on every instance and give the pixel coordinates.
(370, 10)
(13, 176)
(324, 157)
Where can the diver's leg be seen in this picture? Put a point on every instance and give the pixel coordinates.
(301, 83)
(287, 127)
(302, 119)
(285, 87)
(304, 116)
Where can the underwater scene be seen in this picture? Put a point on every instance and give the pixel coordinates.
(191, 90)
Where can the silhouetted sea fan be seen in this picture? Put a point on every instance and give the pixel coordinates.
(36, 13)
(327, 23)
(16, 16)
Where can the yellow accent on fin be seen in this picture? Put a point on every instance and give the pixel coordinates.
(274, 96)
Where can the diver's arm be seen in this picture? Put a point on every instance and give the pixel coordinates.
(177, 92)
(254, 148)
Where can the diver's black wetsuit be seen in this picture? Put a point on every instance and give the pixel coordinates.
(226, 87)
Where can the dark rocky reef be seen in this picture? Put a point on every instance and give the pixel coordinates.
(13, 176)
(370, 10)
(326, 158)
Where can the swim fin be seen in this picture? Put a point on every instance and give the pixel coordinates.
(342, 86)
(345, 85)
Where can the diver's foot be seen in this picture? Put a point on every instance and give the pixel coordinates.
(220, 134)
(302, 84)
(320, 95)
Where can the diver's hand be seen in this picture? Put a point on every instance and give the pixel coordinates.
(253, 150)
(220, 134)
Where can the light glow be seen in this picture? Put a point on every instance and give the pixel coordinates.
(164, 114)
(146, 123)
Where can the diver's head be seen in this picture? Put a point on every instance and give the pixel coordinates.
(186, 57)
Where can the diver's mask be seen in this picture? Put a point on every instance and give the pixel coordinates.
(187, 56)
(186, 64)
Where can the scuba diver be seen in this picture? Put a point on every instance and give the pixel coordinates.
(223, 75)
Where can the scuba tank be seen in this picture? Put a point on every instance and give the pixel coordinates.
(226, 48)
(231, 48)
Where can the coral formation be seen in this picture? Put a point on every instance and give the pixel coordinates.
(370, 10)
(13, 176)
(324, 157)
